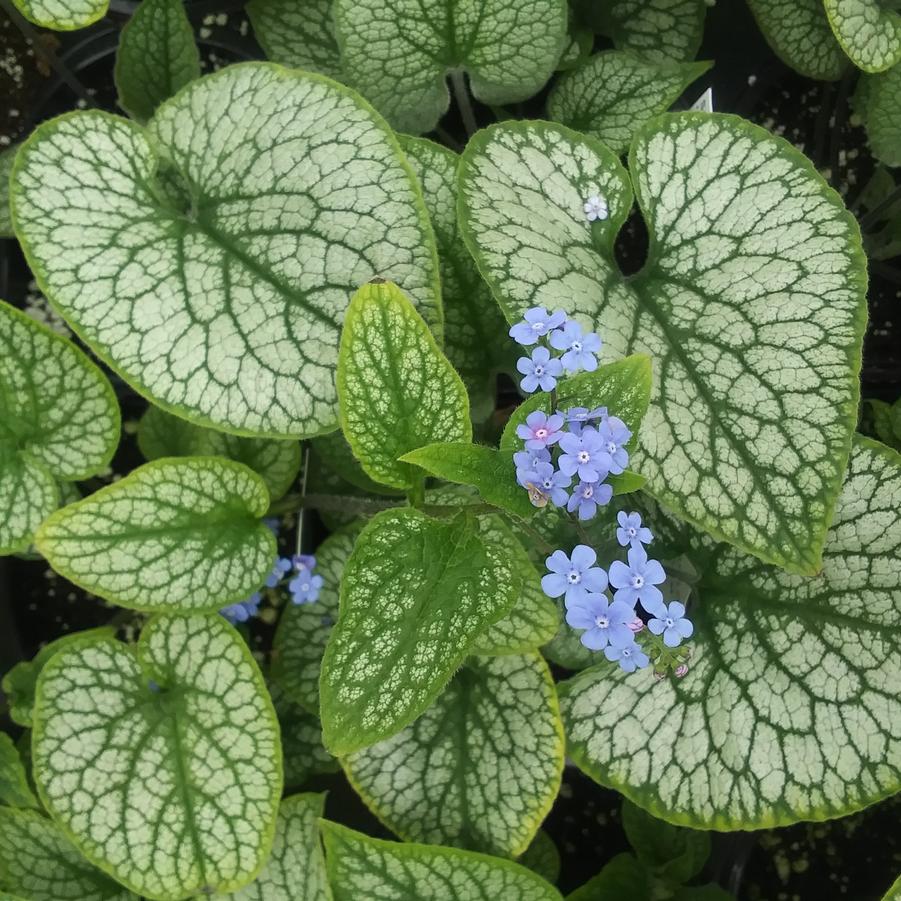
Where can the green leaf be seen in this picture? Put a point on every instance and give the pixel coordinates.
(363, 867)
(156, 57)
(6, 167)
(335, 453)
(751, 304)
(658, 30)
(542, 857)
(883, 421)
(210, 257)
(62, 15)
(622, 877)
(303, 630)
(786, 713)
(14, 788)
(475, 331)
(299, 35)
(303, 753)
(161, 762)
(615, 92)
(534, 618)
(59, 420)
(894, 892)
(673, 853)
(623, 387)
(490, 471)
(438, 782)
(883, 115)
(396, 389)
(415, 594)
(800, 35)
(399, 52)
(20, 682)
(39, 863)
(578, 45)
(295, 870)
(173, 535)
(161, 434)
(868, 30)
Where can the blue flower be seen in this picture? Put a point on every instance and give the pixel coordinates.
(305, 586)
(539, 371)
(549, 482)
(580, 349)
(525, 461)
(536, 323)
(595, 207)
(672, 624)
(243, 610)
(630, 529)
(605, 623)
(584, 454)
(614, 434)
(282, 565)
(587, 497)
(637, 580)
(540, 430)
(574, 577)
(630, 658)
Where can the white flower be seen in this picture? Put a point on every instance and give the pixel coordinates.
(596, 208)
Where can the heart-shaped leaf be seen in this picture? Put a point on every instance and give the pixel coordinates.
(299, 35)
(295, 870)
(39, 863)
(14, 788)
(62, 15)
(364, 867)
(475, 331)
(162, 762)
(6, 167)
(671, 852)
(751, 304)
(415, 594)
(156, 56)
(434, 782)
(59, 420)
(398, 52)
(210, 258)
(615, 92)
(882, 115)
(397, 390)
(161, 434)
(789, 709)
(799, 33)
(542, 857)
(868, 30)
(176, 534)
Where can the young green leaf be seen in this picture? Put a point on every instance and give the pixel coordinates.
(14, 788)
(62, 15)
(59, 420)
(364, 867)
(658, 30)
(162, 763)
(39, 863)
(399, 52)
(335, 454)
(20, 682)
(490, 471)
(868, 30)
(295, 870)
(225, 303)
(156, 57)
(434, 782)
(671, 852)
(6, 167)
(882, 115)
(304, 629)
(160, 434)
(475, 331)
(800, 35)
(622, 877)
(173, 535)
(615, 92)
(752, 305)
(894, 892)
(397, 391)
(299, 35)
(415, 594)
(786, 712)
(542, 857)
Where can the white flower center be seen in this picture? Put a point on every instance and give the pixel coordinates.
(548, 484)
(539, 369)
(573, 577)
(627, 652)
(588, 492)
(576, 346)
(537, 326)
(632, 531)
(583, 456)
(541, 433)
(637, 581)
(669, 622)
(611, 447)
(601, 622)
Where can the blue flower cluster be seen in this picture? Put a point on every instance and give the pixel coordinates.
(613, 626)
(552, 331)
(304, 587)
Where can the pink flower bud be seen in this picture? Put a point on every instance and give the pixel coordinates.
(636, 625)
(681, 670)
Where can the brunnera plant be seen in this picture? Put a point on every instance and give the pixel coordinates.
(673, 562)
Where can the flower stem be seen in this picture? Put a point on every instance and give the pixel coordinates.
(461, 95)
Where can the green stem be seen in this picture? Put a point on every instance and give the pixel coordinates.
(883, 206)
(461, 95)
(416, 494)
